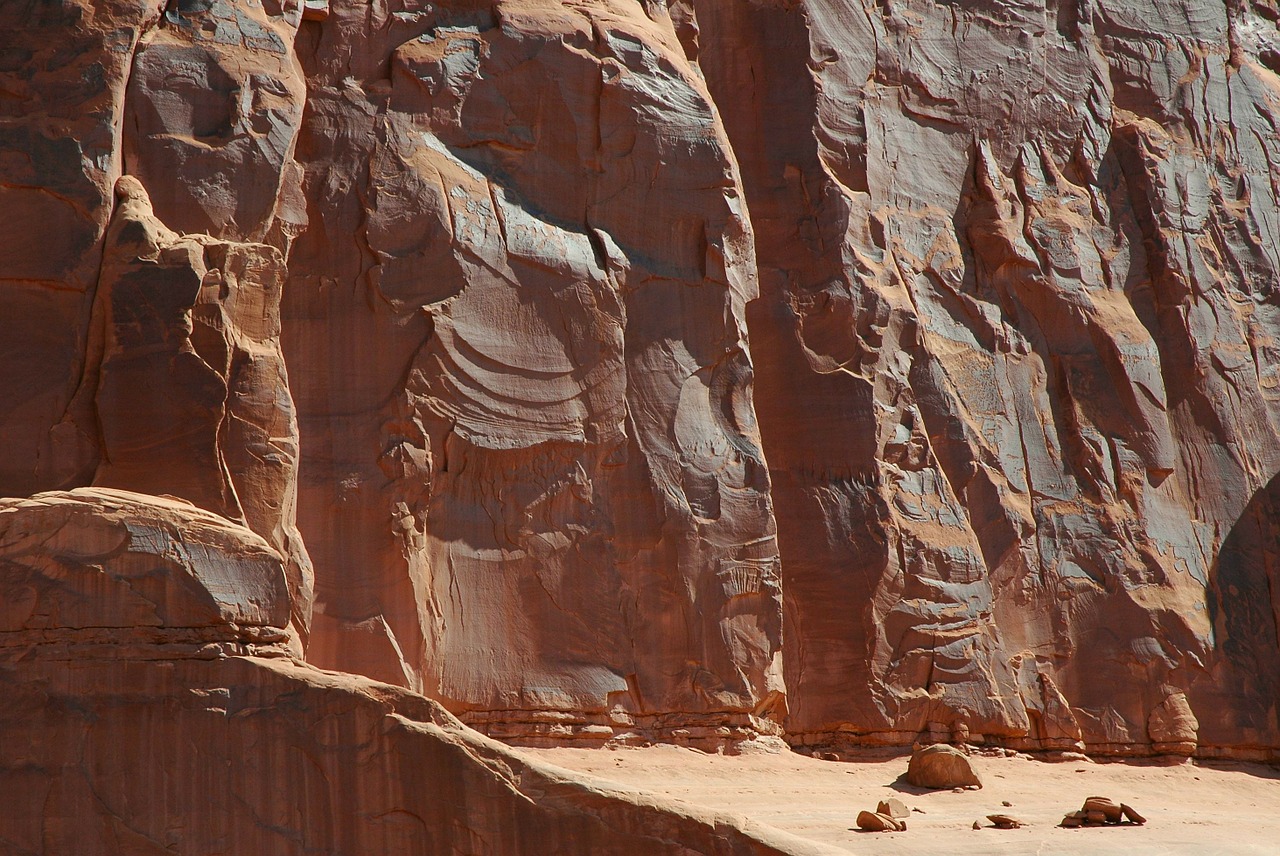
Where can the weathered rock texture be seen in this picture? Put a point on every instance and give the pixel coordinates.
(998, 280)
(941, 766)
(103, 573)
(1017, 360)
(191, 395)
(516, 326)
(150, 707)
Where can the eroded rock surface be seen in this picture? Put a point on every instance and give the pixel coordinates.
(866, 372)
(1015, 355)
(107, 573)
(63, 78)
(150, 705)
(941, 766)
(516, 328)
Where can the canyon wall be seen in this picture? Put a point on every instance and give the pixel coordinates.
(151, 705)
(1017, 367)
(689, 370)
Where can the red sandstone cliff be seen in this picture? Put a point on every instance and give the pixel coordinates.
(700, 369)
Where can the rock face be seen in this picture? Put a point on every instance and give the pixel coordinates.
(861, 373)
(92, 568)
(150, 706)
(191, 394)
(516, 326)
(1016, 359)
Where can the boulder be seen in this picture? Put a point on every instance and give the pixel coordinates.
(99, 563)
(941, 766)
(1110, 809)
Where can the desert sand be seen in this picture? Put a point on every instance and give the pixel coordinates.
(1196, 807)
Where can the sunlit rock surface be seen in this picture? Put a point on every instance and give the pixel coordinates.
(516, 332)
(1016, 360)
(150, 705)
(858, 373)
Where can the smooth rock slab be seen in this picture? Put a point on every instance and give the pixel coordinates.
(95, 558)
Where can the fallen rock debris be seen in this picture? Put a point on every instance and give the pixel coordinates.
(1102, 811)
(874, 821)
(893, 807)
(890, 816)
(1004, 821)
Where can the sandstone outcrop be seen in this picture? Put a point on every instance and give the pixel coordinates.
(150, 705)
(1016, 363)
(191, 396)
(99, 573)
(517, 329)
(689, 370)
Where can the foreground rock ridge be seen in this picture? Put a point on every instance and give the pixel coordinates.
(151, 705)
(692, 370)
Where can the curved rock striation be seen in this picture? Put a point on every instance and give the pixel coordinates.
(517, 328)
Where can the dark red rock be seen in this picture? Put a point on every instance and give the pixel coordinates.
(611, 328)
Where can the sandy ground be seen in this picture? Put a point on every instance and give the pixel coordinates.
(1200, 809)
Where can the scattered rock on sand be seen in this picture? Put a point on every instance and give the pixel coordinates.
(872, 821)
(1004, 821)
(893, 807)
(941, 766)
(1099, 811)
(1110, 808)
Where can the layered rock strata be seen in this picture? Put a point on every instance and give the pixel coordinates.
(105, 574)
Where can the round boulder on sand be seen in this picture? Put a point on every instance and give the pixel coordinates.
(941, 766)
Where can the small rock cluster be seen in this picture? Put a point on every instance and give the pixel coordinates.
(1101, 811)
(940, 766)
(890, 816)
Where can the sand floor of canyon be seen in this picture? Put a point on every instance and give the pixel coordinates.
(1191, 808)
